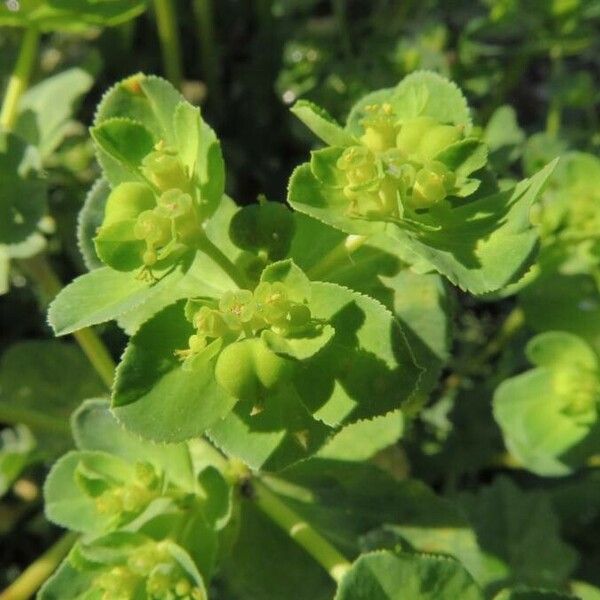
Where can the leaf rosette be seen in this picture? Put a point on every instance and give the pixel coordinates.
(549, 415)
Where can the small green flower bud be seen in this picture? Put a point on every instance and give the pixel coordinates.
(580, 389)
(126, 201)
(118, 583)
(380, 127)
(164, 169)
(432, 185)
(135, 498)
(360, 166)
(160, 582)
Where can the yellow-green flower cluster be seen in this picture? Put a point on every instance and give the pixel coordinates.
(133, 497)
(398, 163)
(580, 390)
(150, 223)
(246, 312)
(151, 572)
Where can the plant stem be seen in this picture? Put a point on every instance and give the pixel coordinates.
(40, 270)
(169, 40)
(339, 255)
(513, 322)
(301, 531)
(37, 572)
(19, 79)
(208, 50)
(210, 249)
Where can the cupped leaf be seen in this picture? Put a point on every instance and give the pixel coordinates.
(66, 501)
(387, 575)
(148, 100)
(322, 124)
(155, 394)
(122, 144)
(22, 189)
(308, 195)
(422, 93)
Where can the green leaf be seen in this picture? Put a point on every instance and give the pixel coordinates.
(33, 391)
(484, 244)
(575, 305)
(363, 439)
(187, 125)
(388, 576)
(322, 124)
(43, 121)
(520, 529)
(66, 502)
(89, 221)
(352, 502)
(365, 370)
(122, 145)
(70, 15)
(464, 157)
(95, 428)
(297, 575)
(504, 137)
(147, 100)
(556, 348)
(102, 295)
(282, 433)
(155, 395)
(22, 189)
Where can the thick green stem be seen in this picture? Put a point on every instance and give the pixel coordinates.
(37, 572)
(340, 255)
(166, 22)
(19, 79)
(301, 532)
(235, 274)
(208, 49)
(39, 270)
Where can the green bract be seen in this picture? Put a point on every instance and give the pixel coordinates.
(408, 164)
(550, 415)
